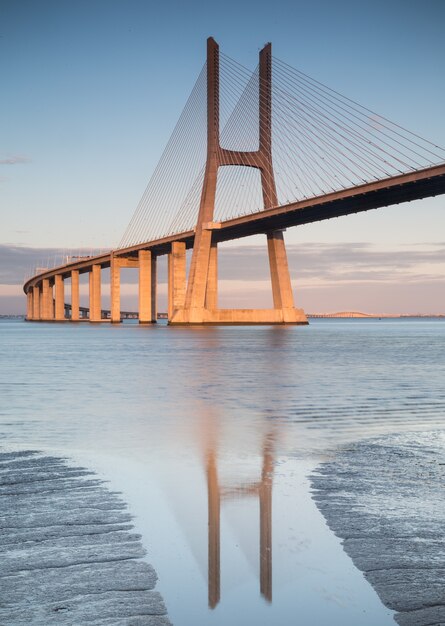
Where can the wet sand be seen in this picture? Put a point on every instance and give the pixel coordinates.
(384, 498)
(67, 551)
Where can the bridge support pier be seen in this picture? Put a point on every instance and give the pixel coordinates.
(95, 293)
(283, 299)
(75, 311)
(47, 307)
(176, 277)
(115, 289)
(36, 302)
(29, 305)
(204, 295)
(147, 287)
(59, 289)
(211, 301)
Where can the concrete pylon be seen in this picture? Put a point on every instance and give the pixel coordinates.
(36, 303)
(115, 289)
(47, 305)
(29, 305)
(75, 310)
(176, 277)
(95, 293)
(200, 303)
(147, 287)
(59, 289)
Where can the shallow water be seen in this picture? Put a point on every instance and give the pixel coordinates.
(189, 422)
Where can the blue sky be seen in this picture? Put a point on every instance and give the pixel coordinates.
(91, 92)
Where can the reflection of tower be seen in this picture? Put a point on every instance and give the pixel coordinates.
(214, 505)
(263, 489)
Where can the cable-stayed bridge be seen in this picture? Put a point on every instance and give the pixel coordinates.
(252, 153)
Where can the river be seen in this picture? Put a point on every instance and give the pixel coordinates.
(210, 434)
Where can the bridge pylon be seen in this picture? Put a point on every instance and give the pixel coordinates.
(195, 301)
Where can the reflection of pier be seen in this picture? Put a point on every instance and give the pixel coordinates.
(216, 493)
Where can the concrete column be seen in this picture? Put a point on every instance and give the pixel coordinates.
(90, 292)
(60, 298)
(51, 305)
(279, 271)
(36, 303)
(115, 289)
(95, 294)
(197, 284)
(147, 287)
(212, 279)
(29, 305)
(47, 300)
(75, 295)
(176, 277)
(154, 289)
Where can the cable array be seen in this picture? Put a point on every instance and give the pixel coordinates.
(178, 167)
(333, 142)
(322, 142)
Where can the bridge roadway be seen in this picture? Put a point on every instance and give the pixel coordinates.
(394, 190)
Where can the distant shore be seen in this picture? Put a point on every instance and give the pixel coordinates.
(338, 315)
(357, 314)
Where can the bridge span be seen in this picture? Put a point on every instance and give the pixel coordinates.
(193, 299)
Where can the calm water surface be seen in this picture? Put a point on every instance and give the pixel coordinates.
(210, 433)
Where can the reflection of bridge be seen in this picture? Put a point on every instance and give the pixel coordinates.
(263, 490)
(315, 155)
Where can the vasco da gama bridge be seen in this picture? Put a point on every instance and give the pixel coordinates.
(252, 153)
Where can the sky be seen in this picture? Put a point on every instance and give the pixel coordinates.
(91, 91)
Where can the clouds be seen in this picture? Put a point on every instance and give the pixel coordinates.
(16, 261)
(309, 262)
(318, 263)
(16, 159)
(341, 276)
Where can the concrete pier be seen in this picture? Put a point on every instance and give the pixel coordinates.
(147, 287)
(95, 293)
(29, 305)
(115, 289)
(47, 300)
(75, 313)
(211, 301)
(176, 277)
(59, 289)
(36, 302)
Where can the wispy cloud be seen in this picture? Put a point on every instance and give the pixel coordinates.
(15, 159)
(17, 261)
(309, 263)
(344, 276)
(339, 263)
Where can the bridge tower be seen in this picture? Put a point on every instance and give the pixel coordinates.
(196, 301)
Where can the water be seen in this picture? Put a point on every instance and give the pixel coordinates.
(178, 418)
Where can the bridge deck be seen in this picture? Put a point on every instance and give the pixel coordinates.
(395, 190)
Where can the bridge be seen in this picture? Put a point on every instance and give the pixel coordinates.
(252, 153)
